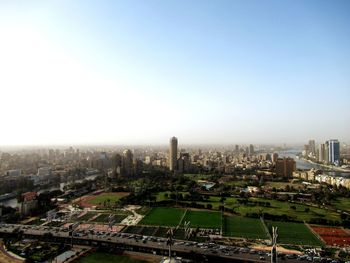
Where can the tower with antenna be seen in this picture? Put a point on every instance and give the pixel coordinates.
(274, 245)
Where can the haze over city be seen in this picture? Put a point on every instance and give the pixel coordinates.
(175, 131)
(138, 72)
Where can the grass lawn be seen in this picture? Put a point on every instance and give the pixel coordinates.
(198, 177)
(276, 207)
(100, 199)
(203, 219)
(244, 227)
(163, 216)
(283, 208)
(99, 257)
(293, 233)
(105, 218)
(87, 216)
(342, 203)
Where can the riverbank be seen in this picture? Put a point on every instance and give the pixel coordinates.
(329, 167)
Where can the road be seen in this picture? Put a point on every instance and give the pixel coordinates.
(149, 244)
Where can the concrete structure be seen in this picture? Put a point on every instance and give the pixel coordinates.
(44, 171)
(173, 154)
(333, 148)
(184, 163)
(285, 167)
(312, 147)
(251, 149)
(127, 163)
(274, 157)
(28, 204)
(16, 172)
(322, 153)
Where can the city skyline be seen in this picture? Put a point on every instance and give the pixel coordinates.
(138, 72)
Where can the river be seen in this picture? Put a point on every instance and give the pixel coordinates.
(13, 201)
(305, 165)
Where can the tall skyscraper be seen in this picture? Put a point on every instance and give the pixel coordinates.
(322, 153)
(251, 149)
(312, 147)
(127, 163)
(333, 147)
(173, 154)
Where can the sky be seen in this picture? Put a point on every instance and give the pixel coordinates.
(141, 71)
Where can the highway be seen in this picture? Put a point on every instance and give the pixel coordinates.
(200, 252)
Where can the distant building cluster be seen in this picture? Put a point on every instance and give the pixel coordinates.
(177, 163)
(326, 153)
(126, 165)
(317, 175)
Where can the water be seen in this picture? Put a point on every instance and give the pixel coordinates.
(14, 204)
(62, 185)
(305, 165)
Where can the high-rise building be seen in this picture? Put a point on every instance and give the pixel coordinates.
(333, 147)
(173, 154)
(138, 167)
(274, 157)
(285, 167)
(322, 153)
(116, 165)
(127, 163)
(251, 149)
(184, 163)
(312, 147)
(237, 149)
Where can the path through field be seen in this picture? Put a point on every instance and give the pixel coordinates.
(133, 219)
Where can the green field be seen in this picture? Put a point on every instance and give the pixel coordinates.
(98, 257)
(163, 216)
(203, 219)
(105, 218)
(276, 207)
(198, 177)
(109, 198)
(244, 227)
(86, 217)
(294, 233)
(283, 208)
(342, 203)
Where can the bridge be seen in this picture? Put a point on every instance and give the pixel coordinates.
(207, 252)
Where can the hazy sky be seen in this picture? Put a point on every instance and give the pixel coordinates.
(138, 72)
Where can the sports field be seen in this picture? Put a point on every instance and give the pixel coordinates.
(294, 233)
(203, 219)
(163, 216)
(333, 236)
(244, 227)
(102, 200)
